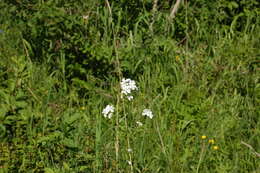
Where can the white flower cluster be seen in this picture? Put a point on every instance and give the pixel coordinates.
(127, 86)
(108, 111)
(148, 113)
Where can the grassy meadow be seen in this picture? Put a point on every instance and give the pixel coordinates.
(198, 73)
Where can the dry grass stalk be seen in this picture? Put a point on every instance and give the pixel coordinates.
(251, 148)
(175, 8)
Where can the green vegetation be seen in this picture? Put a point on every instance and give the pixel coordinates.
(61, 64)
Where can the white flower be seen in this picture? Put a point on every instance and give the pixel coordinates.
(85, 17)
(147, 112)
(127, 86)
(139, 123)
(129, 162)
(108, 111)
(129, 150)
(129, 97)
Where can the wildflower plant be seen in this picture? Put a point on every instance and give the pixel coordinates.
(205, 146)
(127, 86)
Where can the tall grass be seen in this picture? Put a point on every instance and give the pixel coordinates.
(205, 85)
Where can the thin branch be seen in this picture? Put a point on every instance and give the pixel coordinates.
(175, 8)
(161, 139)
(251, 148)
(34, 96)
(155, 2)
(154, 10)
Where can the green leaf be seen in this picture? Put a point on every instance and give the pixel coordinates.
(83, 168)
(9, 120)
(20, 95)
(232, 5)
(2, 130)
(48, 170)
(66, 166)
(69, 143)
(20, 104)
(3, 111)
(83, 84)
(69, 119)
(11, 85)
(4, 96)
(51, 137)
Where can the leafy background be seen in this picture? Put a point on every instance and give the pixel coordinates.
(61, 62)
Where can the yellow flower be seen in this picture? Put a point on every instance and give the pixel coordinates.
(177, 58)
(215, 147)
(203, 137)
(83, 108)
(211, 141)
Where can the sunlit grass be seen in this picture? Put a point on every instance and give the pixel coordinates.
(164, 108)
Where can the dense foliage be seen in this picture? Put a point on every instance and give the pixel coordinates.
(62, 61)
